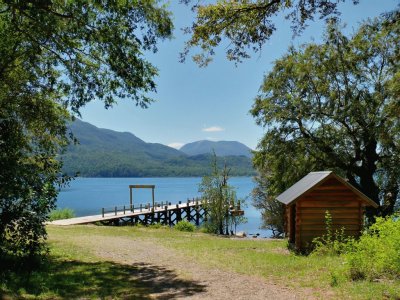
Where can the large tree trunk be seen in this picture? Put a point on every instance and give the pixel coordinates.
(370, 189)
(221, 227)
(366, 174)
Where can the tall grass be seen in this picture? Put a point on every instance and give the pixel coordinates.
(60, 214)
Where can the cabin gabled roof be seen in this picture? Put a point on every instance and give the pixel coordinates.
(312, 180)
(302, 186)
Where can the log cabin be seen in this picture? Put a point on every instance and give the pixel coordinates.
(308, 200)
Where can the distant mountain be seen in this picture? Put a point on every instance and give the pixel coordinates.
(221, 148)
(107, 153)
(90, 136)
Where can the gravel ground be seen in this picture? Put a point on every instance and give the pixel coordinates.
(176, 276)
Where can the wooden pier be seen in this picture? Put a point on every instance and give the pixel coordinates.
(168, 214)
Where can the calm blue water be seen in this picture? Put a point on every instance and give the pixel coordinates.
(86, 196)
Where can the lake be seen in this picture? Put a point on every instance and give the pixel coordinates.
(86, 196)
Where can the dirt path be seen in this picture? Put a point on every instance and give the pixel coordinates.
(183, 278)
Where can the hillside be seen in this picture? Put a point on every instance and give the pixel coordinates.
(221, 148)
(107, 153)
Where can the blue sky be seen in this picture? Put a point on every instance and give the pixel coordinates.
(212, 103)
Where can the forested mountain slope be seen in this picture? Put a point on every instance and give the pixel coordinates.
(107, 153)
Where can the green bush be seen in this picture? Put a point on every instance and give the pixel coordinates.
(338, 276)
(334, 242)
(377, 253)
(208, 228)
(60, 214)
(185, 226)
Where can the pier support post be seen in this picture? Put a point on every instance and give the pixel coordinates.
(152, 193)
(178, 213)
(197, 215)
(170, 213)
(165, 215)
(188, 215)
(130, 196)
(157, 217)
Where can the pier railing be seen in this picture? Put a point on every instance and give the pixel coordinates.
(147, 207)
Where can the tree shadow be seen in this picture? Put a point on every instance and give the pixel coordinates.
(76, 279)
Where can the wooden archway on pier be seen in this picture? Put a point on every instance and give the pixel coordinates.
(140, 186)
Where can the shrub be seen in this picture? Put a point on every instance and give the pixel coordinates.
(208, 227)
(334, 242)
(377, 253)
(338, 276)
(60, 214)
(185, 226)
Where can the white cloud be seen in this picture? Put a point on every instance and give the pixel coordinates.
(176, 145)
(213, 129)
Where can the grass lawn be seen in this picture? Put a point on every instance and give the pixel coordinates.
(75, 271)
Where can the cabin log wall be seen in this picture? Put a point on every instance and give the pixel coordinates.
(343, 204)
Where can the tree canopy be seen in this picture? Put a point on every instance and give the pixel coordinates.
(55, 56)
(248, 24)
(335, 105)
(91, 49)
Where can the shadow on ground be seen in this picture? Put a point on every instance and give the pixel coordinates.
(76, 279)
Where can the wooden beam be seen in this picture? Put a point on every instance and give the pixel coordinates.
(152, 193)
(142, 186)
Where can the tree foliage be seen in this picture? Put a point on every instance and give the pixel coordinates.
(272, 211)
(91, 49)
(55, 56)
(219, 197)
(32, 133)
(336, 106)
(248, 24)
